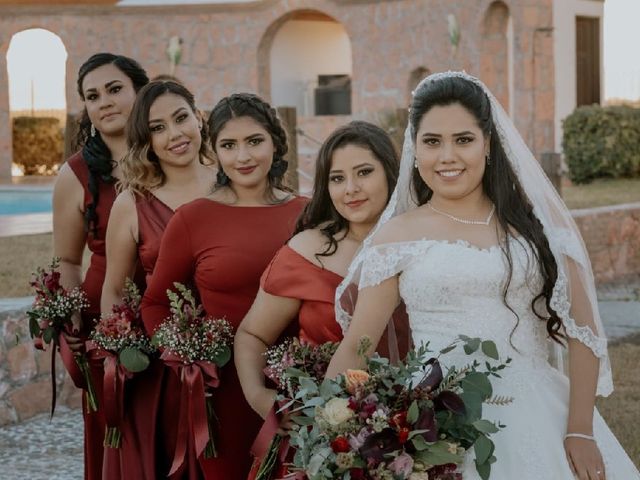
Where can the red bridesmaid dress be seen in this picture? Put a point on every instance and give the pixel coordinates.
(94, 422)
(136, 457)
(293, 276)
(222, 250)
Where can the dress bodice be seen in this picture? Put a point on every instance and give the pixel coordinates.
(452, 289)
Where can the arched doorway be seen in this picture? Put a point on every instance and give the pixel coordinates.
(36, 70)
(496, 63)
(305, 62)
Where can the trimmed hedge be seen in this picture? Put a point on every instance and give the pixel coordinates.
(38, 144)
(602, 142)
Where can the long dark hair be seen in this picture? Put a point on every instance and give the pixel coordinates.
(251, 105)
(514, 211)
(94, 151)
(141, 171)
(320, 210)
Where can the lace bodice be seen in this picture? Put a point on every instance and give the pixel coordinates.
(455, 288)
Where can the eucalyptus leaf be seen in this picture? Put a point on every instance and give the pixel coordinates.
(133, 359)
(483, 448)
(484, 470)
(471, 345)
(485, 426)
(412, 413)
(477, 382)
(48, 334)
(223, 357)
(438, 454)
(490, 350)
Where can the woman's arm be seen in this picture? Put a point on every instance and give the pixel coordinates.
(268, 317)
(69, 235)
(175, 263)
(373, 311)
(583, 454)
(122, 250)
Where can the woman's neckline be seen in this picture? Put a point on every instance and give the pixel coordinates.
(460, 242)
(287, 202)
(317, 267)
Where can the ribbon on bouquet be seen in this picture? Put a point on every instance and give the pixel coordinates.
(268, 439)
(113, 383)
(193, 426)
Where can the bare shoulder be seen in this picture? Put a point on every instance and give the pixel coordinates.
(125, 203)
(308, 243)
(395, 230)
(67, 179)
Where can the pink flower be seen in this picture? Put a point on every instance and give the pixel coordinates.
(402, 465)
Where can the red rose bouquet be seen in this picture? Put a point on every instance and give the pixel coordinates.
(195, 346)
(120, 340)
(50, 317)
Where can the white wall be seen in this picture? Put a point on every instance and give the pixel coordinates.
(564, 51)
(301, 51)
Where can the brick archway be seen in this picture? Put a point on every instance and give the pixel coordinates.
(495, 58)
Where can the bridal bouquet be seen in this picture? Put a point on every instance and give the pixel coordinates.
(120, 341)
(286, 363)
(50, 317)
(410, 421)
(195, 346)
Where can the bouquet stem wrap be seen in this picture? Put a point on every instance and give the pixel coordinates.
(114, 379)
(196, 416)
(270, 449)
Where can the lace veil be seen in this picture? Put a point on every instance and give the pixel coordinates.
(561, 231)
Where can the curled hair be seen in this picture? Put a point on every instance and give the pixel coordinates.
(251, 105)
(514, 211)
(320, 211)
(95, 152)
(141, 170)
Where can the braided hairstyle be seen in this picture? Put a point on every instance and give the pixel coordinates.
(251, 105)
(95, 152)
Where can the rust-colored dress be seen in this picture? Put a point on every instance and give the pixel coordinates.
(142, 425)
(291, 275)
(222, 250)
(94, 422)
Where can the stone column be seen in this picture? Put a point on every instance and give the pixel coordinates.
(6, 148)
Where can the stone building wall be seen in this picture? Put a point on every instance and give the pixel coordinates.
(226, 48)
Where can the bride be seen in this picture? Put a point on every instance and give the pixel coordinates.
(476, 241)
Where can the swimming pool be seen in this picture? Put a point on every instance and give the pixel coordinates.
(19, 201)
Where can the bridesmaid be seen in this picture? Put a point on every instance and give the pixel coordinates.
(164, 169)
(82, 198)
(221, 244)
(356, 172)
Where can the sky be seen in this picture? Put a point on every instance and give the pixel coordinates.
(39, 83)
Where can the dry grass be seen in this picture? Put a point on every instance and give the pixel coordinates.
(621, 410)
(602, 192)
(19, 256)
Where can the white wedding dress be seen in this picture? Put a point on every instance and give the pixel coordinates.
(455, 288)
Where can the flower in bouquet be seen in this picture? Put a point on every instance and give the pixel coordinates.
(400, 422)
(49, 317)
(195, 345)
(286, 363)
(120, 339)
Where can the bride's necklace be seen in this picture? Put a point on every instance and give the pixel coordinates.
(462, 220)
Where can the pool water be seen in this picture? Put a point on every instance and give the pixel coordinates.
(19, 201)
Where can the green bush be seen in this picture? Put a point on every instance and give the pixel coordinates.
(38, 144)
(602, 142)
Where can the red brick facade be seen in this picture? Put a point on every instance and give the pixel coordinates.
(226, 48)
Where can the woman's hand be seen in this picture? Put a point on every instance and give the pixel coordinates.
(584, 458)
(75, 342)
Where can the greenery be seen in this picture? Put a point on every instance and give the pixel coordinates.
(38, 144)
(602, 142)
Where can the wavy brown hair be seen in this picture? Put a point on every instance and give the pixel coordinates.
(320, 211)
(141, 170)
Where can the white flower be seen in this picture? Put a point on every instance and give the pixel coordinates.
(419, 476)
(337, 411)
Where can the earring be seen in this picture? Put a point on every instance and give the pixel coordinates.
(221, 178)
(415, 164)
(93, 130)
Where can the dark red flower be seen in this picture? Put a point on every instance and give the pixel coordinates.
(52, 281)
(340, 445)
(399, 420)
(427, 421)
(377, 445)
(357, 473)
